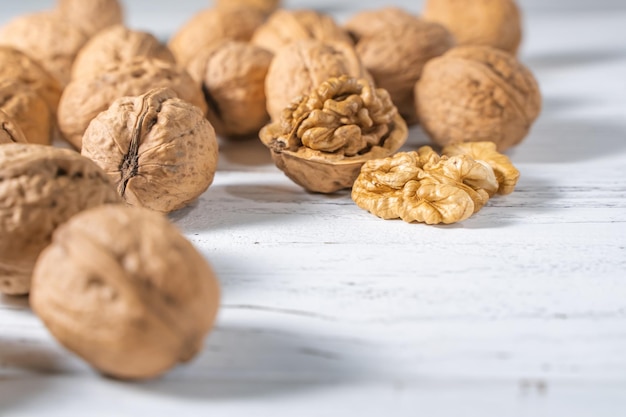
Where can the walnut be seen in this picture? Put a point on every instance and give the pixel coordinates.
(10, 131)
(27, 109)
(85, 98)
(506, 174)
(116, 45)
(41, 187)
(47, 38)
(265, 6)
(287, 26)
(91, 16)
(302, 66)
(232, 74)
(477, 93)
(424, 187)
(495, 23)
(394, 46)
(123, 289)
(214, 25)
(323, 139)
(18, 66)
(160, 151)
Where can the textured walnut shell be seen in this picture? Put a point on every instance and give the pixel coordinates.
(17, 65)
(27, 109)
(213, 25)
(91, 16)
(301, 66)
(323, 139)
(233, 74)
(114, 46)
(10, 131)
(477, 93)
(396, 52)
(123, 289)
(284, 27)
(495, 23)
(160, 151)
(85, 98)
(47, 38)
(266, 6)
(41, 187)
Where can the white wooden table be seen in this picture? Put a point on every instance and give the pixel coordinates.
(329, 311)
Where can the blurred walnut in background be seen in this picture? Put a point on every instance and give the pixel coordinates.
(10, 132)
(91, 16)
(266, 6)
(27, 109)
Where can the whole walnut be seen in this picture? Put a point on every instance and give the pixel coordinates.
(495, 23)
(84, 98)
(47, 38)
(41, 187)
(396, 51)
(284, 27)
(116, 45)
(301, 66)
(266, 6)
(477, 93)
(10, 131)
(27, 109)
(91, 16)
(160, 151)
(18, 66)
(232, 74)
(323, 139)
(213, 25)
(124, 290)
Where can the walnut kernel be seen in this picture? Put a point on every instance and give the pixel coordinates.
(10, 131)
(27, 109)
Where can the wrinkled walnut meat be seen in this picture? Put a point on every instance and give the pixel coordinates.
(123, 289)
(284, 27)
(114, 46)
(10, 132)
(160, 151)
(41, 187)
(47, 38)
(85, 98)
(27, 109)
(91, 16)
(427, 188)
(477, 93)
(322, 140)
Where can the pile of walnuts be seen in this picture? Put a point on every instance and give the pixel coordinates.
(83, 230)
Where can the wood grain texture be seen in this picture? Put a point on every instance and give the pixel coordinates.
(327, 310)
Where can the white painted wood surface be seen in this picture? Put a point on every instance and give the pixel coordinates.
(329, 311)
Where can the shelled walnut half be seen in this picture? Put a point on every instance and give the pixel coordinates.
(323, 139)
(425, 187)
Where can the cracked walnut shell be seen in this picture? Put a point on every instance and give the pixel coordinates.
(91, 16)
(301, 66)
(85, 98)
(47, 38)
(213, 25)
(477, 93)
(10, 131)
(394, 46)
(322, 140)
(284, 27)
(160, 151)
(123, 289)
(116, 45)
(424, 187)
(233, 74)
(495, 23)
(27, 109)
(41, 187)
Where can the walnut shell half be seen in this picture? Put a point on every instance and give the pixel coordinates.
(27, 109)
(41, 187)
(91, 16)
(123, 289)
(160, 151)
(85, 98)
(10, 131)
(323, 139)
